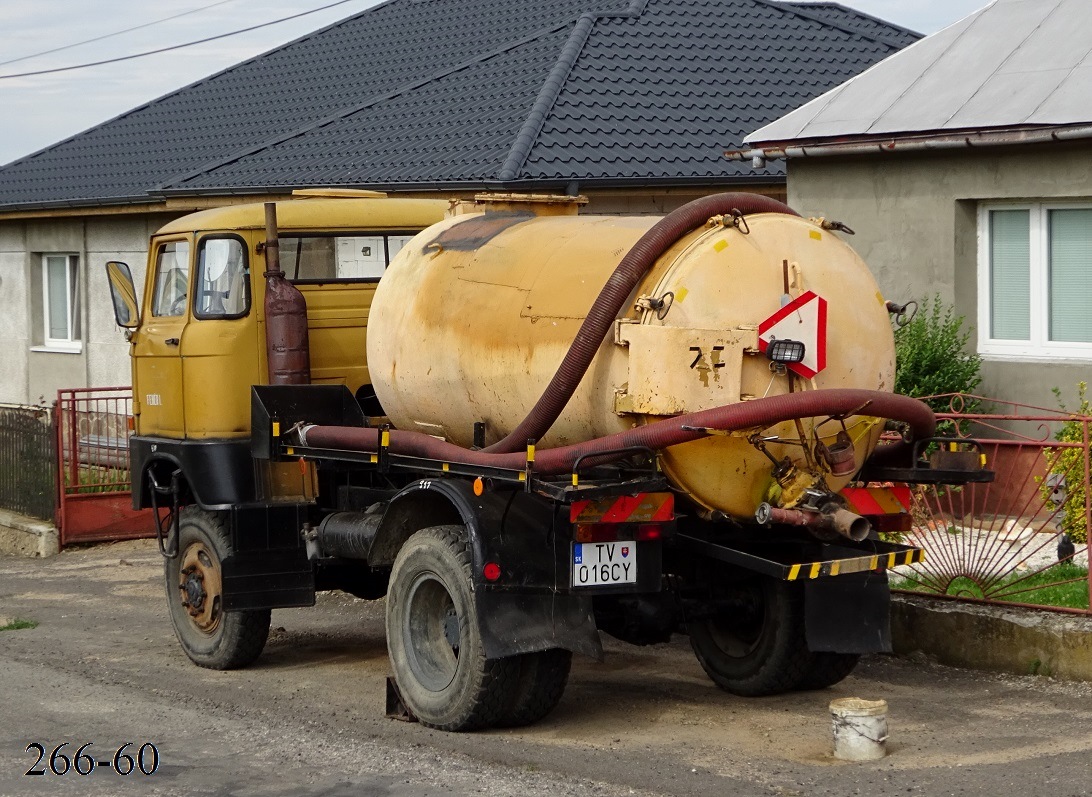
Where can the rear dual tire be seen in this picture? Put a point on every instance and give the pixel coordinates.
(443, 674)
(763, 650)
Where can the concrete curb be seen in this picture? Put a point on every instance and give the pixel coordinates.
(25, 536)
(999, 638)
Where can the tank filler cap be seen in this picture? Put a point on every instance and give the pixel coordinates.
(337, 193)
(539, 204)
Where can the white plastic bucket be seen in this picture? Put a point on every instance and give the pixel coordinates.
(860, 728)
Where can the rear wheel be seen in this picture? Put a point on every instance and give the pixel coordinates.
(827, 669)
(433, 637)
(539, 687)
(757, 647)
(210, 636)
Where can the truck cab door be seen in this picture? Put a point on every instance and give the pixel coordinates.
(220, 359)
(157, 344)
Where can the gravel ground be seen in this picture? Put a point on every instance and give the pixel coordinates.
(103, 666)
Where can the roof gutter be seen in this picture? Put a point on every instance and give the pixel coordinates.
(776, 150)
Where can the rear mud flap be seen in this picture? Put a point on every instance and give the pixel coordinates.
(514, 623)
(848, 614)
(268, 580)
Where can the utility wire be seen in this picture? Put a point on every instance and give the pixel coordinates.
(115, 33)
(175, 46)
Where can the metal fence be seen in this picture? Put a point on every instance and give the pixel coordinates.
(28, 459)
(93, 428)
(1021, 539)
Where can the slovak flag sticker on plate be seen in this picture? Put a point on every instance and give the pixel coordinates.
(625, 550)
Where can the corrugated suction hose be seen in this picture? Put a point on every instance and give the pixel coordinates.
(759, 414)
(627, 275)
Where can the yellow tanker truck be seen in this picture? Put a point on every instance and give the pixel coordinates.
(524, 426)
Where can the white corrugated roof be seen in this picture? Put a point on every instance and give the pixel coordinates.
(1013, 63)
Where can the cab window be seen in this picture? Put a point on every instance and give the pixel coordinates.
(329, 258)
(172, 277)
(223, 279)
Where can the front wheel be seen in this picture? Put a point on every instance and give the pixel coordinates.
(210, 636)
(758, 646)
(433, 637)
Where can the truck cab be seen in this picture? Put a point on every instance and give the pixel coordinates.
(198, 341)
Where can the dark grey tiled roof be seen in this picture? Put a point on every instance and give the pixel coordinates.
(441, 93)
(708, 73)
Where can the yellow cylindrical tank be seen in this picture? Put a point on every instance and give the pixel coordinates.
(473, 317)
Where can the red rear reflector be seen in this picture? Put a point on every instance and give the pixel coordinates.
(596, 532)
(610, 532)
(491, 571)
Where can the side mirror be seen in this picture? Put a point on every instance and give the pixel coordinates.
(123, 292)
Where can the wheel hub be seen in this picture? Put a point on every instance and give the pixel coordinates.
(194, 589)
(199, 586)
(451, 630)
(431, 633)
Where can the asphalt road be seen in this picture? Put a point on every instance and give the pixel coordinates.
(103, 667)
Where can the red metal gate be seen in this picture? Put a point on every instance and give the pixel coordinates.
(93, 477)
(1003, 542)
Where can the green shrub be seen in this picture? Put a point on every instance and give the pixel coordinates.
(1069, 464)
(932, 357)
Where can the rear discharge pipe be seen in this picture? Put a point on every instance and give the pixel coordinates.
(840, 520)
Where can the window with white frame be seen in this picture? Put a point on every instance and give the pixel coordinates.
(1035, 281)
(61, 302)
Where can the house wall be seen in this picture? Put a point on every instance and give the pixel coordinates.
(31, 374)
(915, 218)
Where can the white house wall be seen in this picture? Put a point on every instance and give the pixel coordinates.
(915, 218)
(14, 313)
(34, 377)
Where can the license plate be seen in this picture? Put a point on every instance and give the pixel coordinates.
(596, 564)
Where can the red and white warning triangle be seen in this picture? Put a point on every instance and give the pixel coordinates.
(803, 319)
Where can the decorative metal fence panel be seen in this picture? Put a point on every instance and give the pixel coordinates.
(93, 467)
(1022, 539)
(28, 483)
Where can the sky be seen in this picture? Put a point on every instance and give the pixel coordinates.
(40, 110)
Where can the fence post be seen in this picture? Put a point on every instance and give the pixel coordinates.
(1087, 504)
(58, 456)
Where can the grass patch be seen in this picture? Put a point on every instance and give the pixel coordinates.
(1064, 585)
(19, 625)
(98, 479)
